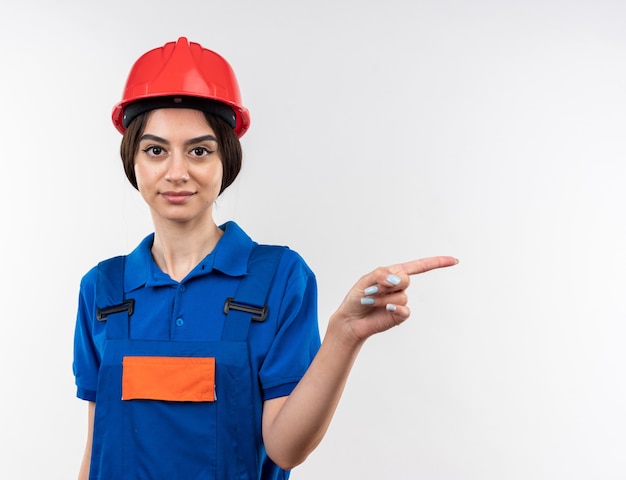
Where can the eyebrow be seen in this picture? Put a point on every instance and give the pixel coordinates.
(191, 141)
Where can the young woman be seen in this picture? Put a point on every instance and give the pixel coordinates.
(199, 352)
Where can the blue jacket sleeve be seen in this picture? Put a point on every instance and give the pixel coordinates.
(297, 338)
(86, 362)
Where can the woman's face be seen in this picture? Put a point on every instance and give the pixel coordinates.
(178, 166)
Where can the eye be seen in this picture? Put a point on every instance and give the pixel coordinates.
(154, 151)
(200, 152)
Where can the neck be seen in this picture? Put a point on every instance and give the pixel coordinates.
(178, 250)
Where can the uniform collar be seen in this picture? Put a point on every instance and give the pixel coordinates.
(230, 256)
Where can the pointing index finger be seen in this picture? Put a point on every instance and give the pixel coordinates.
(422, 265)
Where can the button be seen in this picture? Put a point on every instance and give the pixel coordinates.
(180, 322)
(182, 288)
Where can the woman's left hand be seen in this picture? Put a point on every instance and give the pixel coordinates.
(378, 301)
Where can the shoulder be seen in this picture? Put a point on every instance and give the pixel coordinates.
(289, 259)
(292, 276)
(108, 263)
(137, 262)
(91, 282)
(236, 245)
(90, 276)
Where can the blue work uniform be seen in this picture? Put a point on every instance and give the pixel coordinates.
(210, 427)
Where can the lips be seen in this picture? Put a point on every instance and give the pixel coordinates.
(177, 197)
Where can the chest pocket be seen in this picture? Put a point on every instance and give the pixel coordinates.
(174, 379)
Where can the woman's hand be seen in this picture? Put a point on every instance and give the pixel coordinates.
(378, 301)
(293, 426)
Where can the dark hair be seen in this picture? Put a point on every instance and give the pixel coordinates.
(229, 147)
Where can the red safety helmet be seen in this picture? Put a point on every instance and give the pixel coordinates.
(184, 75)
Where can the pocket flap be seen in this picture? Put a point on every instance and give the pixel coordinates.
(182, 379)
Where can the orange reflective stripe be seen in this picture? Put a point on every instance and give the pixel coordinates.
(183, 379)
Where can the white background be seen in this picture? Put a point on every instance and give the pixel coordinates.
(492, 131)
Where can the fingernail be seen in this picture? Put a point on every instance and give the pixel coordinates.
(371, 290)
(393, 279)
(390, 307)
(367, 301)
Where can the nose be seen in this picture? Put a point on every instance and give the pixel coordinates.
(177, 169)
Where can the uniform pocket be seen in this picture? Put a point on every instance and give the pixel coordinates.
(182, 379)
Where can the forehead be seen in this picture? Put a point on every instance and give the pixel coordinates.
(178, 121)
